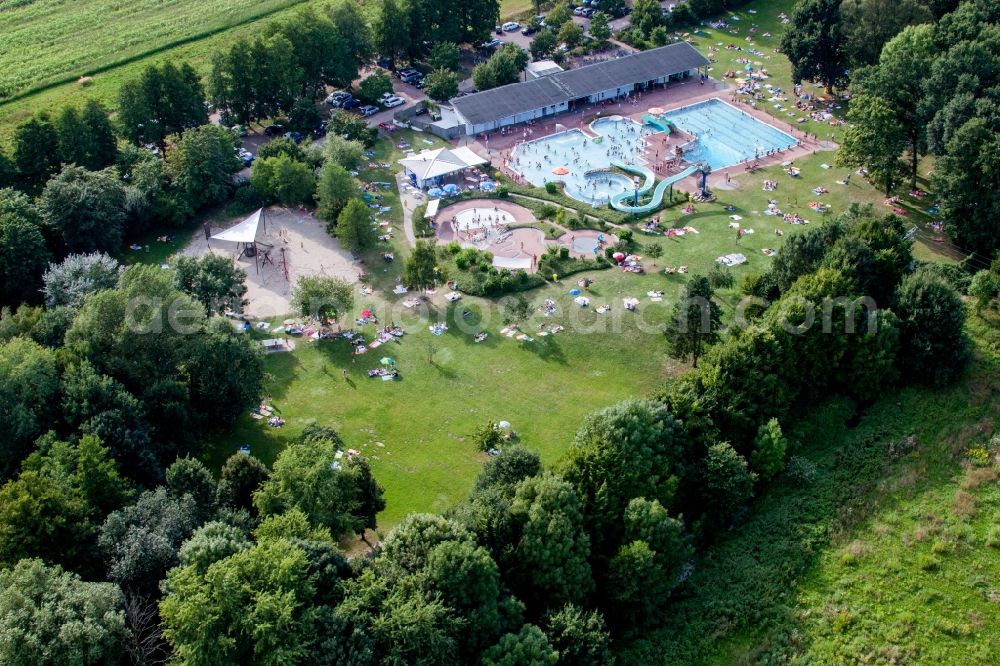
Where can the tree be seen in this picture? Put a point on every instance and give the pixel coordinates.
(570, 34)
(620, 453)
(368, 495)
(769, 450)
(932, 318)
(322, 298)
(726, 482)
(874, 139)
(694, 322)
(374, 86)
(241, 476)
(216, 615)
(213, 280)
(420, 271)
(529, 646)
(814, 42)
(442, 84)
(343, 152)
(966, 179)
(516, 310)
(48, 615)
(210, 543)
(445, 55)
(69, 282)
(85, 208)
(654, 251)
(23, 257)
(54, 506)
(36, 152)
(503, 67)
(201, 164)
(86, 139)
(354, 226)
(544, 43)
(869, 24)
(392, 31)
(334, 189)
(189, 477)
(311, 479)
(550, 560)
(509, 468)
(910, 51)
(984, 289)
(163, 100)
(8, 173)
(351, 28)
(305, 115)
(29, 385)
(141, 542)
(599, 28)
(579, 636)
(279, 146)
(284, 180)
(488, 437)
(556, 18)
(646, 16)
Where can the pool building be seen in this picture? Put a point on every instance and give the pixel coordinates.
(553, 94)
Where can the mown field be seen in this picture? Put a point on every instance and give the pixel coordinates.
(46, 45)
(48, 41)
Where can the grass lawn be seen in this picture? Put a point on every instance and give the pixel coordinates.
(416, 430)
(761, 15)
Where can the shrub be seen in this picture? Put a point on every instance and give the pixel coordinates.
(564, 253)
(551, 188)
(801, 470)
(547, 212)
(453, 248)
(503, 192)
(721, 277)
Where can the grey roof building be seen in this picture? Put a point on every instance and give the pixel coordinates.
(548, 95)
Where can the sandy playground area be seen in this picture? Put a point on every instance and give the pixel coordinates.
(299, 246)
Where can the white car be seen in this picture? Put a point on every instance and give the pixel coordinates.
(393, 101)
(510, 26)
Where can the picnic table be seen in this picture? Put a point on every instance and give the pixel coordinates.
(272, 343)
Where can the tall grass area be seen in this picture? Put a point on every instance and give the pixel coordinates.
(881, 548)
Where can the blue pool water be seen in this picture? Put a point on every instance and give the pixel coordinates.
(726, 135)
(620, 140)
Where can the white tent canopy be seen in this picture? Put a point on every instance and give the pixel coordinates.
(245, 231)
(429, 164)
(432, 209)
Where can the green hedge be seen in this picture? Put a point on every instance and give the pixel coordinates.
(475, 275)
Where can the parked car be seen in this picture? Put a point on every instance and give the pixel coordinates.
(493, 43)
(578, 11)
(529, 30)
(498, 29)
(297, 137)
(245, 156)
(510, 26)
(238, 130)
(368, 110)
(319, 130)
(392, 101)
(350, 103)
(274, 130)
(334, 98)
(587, 13)
(409, 71)
(420, 110)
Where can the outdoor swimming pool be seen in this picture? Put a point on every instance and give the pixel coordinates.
(726, 135)
(571, 157)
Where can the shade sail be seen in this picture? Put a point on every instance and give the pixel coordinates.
(432, 209)
(441, 161)
(245, 231)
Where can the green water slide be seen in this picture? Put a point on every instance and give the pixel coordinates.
(620, 201)
(661, 124)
